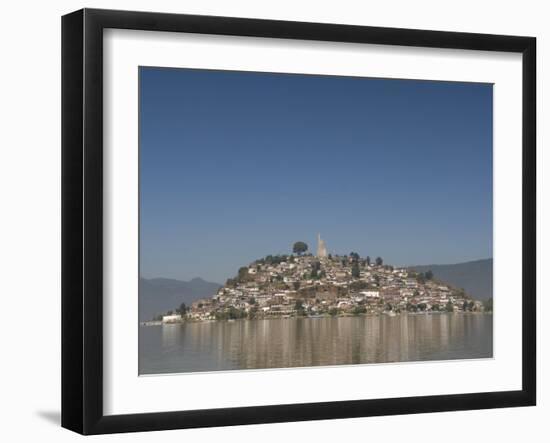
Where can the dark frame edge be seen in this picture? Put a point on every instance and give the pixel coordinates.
(529, 220)
(308, 411)
(72, 221)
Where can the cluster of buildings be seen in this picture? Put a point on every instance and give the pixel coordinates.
(325, 284)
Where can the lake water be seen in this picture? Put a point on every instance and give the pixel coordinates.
(298, 342)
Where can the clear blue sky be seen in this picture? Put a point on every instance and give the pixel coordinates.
(235, 166)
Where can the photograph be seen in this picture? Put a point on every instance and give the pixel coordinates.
(292, 220)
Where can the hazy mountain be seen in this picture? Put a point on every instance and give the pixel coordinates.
(158, 295)
(476, 277)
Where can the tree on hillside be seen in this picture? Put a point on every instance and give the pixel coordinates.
(182, 309)
(299, 307)
(429, 274)
(355, 273)
(299, 247)
(379, 261)
(358, 285)
(368, 260)
(243, 273)
(316, 270)
(354, 256)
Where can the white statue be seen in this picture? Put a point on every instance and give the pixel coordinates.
(321, 247)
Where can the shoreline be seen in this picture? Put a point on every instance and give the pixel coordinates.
(311, 317)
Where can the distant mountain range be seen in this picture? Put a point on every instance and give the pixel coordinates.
(158, 295)
(476, 277)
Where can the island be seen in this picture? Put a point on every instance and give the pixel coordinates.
(301, 284)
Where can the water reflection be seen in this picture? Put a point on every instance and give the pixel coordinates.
(282, 343)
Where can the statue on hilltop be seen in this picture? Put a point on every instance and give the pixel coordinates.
(321, 247)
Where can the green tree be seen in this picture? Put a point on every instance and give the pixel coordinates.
(488, 305)
(315, 268)
(243, 273)
(379, 261)
(358, 285)
(449, 307)
(354, 256)
(233, 313)
(368, 260)
(251, 301)
(429, 274)
(182, 309)
(299, 247)
(299, 306)
(355, 273)
(221, 315)
(253, 312)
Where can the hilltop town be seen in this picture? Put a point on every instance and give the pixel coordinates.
(306, 285)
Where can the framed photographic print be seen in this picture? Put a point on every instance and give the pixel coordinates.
(269, 221)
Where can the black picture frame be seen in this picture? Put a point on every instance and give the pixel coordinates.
(82, 221)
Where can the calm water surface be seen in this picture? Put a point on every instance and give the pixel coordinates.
(296, 342)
